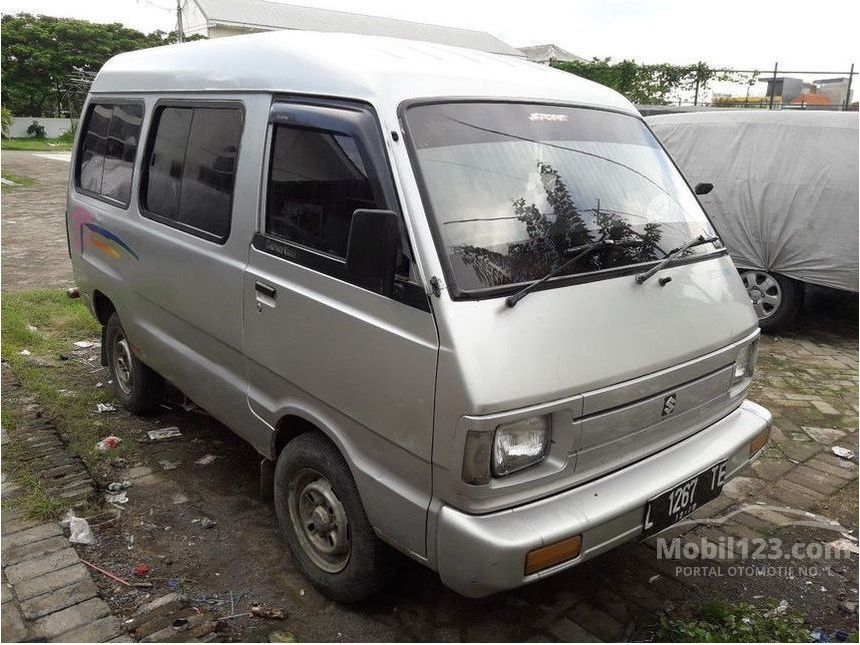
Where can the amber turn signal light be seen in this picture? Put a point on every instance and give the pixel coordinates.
(548, 556)
(759, 441)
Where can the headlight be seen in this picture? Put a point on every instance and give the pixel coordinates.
(520, 444)
(745, 361)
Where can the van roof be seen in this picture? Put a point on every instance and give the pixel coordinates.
(371, 68)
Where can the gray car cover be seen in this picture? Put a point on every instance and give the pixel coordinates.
(785, 186)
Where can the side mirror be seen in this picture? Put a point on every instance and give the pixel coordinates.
(371, 251)
(703, 189)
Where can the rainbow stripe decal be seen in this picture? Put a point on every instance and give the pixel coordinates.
(102, 245)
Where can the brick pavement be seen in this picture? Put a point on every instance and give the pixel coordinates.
(47, 593)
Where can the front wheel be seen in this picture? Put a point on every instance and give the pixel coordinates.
(323, 521)
(775, 298)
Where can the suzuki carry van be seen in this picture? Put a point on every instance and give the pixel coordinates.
(463, 305)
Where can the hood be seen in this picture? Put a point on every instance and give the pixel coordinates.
(564, 341)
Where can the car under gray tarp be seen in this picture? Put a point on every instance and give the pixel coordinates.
(785, 197)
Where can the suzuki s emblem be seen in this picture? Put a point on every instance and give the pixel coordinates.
(669, 404)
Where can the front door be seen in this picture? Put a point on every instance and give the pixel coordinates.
(359, 364)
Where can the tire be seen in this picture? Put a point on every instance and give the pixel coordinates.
(313, 486)
(775, 298)
(138, 387)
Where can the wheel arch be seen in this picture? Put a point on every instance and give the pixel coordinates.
(103, 307)
(394, 510)
(290, 426)
(298, 420)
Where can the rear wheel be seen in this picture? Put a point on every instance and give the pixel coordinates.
(139, 388)
(775, 298)
(324, 523)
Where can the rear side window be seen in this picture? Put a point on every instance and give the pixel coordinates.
(105, 162)
(191, 169)
(317, 180)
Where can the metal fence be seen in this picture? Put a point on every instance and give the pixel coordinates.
(778, 95)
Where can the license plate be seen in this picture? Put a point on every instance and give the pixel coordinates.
(677, 503)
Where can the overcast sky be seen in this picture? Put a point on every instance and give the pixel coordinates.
(813, 34)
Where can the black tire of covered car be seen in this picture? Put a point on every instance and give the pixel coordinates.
(139, 388)
(323, 521)
(775, 298)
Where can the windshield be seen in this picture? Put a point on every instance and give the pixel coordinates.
(513, 186)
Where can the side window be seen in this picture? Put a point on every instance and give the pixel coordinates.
(316, 181)
(210, 166)
(105, 161)
(120, 151)
(163, 180)
(191, 169)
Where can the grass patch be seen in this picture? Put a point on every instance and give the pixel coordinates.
(34, 500)
(47, 323)
(21, 180)
(10, 417)
(721, 621)
(60, 144)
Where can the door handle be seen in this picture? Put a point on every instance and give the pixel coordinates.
(266, 290)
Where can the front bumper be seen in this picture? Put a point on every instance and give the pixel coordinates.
(481, 554)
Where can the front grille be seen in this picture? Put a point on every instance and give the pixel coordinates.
(610, 439)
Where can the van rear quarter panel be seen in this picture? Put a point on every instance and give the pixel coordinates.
(179, 296)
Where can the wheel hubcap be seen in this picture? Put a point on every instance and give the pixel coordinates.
(764, 292)
(320, 520)
(122, 365)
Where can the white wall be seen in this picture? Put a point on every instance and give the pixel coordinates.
(193, 20)
(835, 91)
(53, 127)
(220, 31)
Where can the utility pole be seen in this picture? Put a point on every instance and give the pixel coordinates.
(773, 86)
(179, 34)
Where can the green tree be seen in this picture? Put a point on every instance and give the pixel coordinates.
(6, 120)
(551, 238)
(47, 61)
(647, 84)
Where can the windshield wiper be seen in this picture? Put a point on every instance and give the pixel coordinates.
(674, 253)
(581, 252)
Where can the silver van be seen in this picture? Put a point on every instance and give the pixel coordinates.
(463, 305)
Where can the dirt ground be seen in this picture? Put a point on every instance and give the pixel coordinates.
(33, 228)
(616, 596)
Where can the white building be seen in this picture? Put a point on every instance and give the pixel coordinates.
(548, 54)
(216, 18)
(835, 89)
